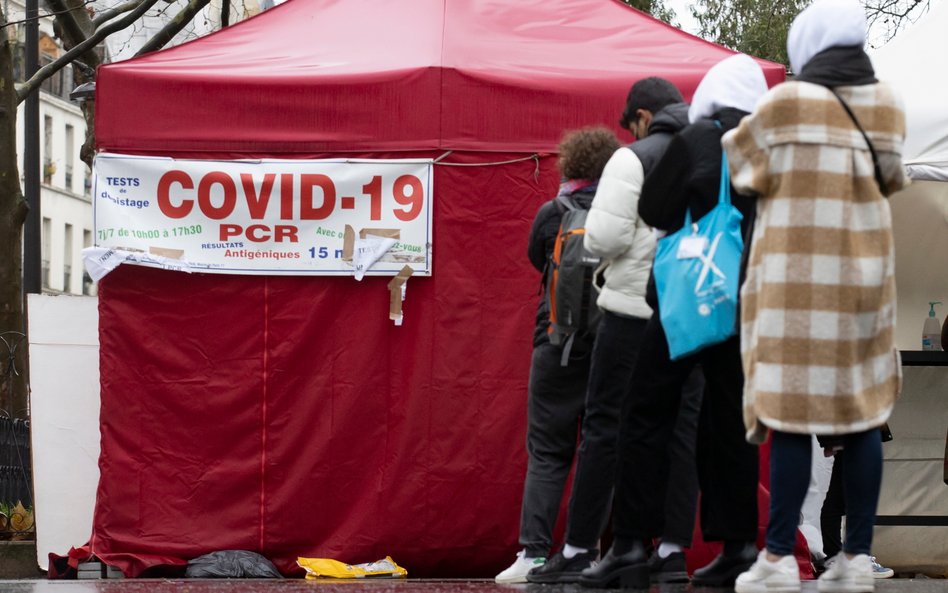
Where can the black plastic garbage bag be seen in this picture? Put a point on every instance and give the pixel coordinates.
(232, 564)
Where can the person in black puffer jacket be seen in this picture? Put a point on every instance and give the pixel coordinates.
(556, 392)
(688, 176)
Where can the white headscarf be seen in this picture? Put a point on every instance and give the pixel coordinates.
(737, 81)
(822, 25)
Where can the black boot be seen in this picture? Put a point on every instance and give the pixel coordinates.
(628, 571)
(723, 570)
(670, 569)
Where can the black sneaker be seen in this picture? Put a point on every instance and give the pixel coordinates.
(559, 569)
(670, 569)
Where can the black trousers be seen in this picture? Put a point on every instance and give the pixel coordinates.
(682, 500)
(831, 514)
(555, 401)
(853, 491)
(727, 464)
(613, 360)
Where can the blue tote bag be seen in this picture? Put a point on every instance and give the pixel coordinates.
(696, 273)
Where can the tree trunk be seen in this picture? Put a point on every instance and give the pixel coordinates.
(13, 392)
(74, 27)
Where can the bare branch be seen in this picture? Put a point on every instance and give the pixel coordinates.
(178, 22)
(107, 15)
(888, 17)
(24, 90)
(41, 16)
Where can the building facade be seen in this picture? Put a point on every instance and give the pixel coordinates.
(65, 194)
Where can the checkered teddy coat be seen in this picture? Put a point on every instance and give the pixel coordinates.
(818, 304)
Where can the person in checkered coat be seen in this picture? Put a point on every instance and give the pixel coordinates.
(818, 303)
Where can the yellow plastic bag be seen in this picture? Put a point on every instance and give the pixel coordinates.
(326, 568)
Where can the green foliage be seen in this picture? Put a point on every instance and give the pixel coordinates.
(755, 27)
(16, 522)
(10, 508)
(656, 8)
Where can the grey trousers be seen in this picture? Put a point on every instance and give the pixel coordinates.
(556, 399)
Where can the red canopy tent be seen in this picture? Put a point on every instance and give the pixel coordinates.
(287, 415)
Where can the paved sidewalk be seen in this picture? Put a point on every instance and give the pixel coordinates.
(383, 586)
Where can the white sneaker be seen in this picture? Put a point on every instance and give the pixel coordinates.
(517, 572)
(764, 576)
(847, 576)
(879, 571)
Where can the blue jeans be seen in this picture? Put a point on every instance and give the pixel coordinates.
(790, 477)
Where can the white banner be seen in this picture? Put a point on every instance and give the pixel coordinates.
(290, 217)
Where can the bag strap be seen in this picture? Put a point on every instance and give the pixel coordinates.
(724, 194)
(875, 157)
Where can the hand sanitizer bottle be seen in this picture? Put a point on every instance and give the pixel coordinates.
(931, 332)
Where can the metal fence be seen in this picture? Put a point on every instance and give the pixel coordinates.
(16, 480)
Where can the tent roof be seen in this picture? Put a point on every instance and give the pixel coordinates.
(326, 75)
(906, 64)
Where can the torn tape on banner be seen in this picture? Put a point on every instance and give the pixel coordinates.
(396, 288)
(99, 261)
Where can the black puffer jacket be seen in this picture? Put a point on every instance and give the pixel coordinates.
(689, 176)
(666, 123)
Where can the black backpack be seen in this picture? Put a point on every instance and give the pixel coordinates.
(569, 282)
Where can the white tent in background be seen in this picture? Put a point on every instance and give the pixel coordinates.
(912, 488)
(920, 213)
(910, 62)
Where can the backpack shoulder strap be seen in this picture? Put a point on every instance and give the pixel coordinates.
(566, 202)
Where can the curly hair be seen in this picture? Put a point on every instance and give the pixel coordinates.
(584, 153)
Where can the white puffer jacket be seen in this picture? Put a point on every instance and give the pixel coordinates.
(615, 233)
